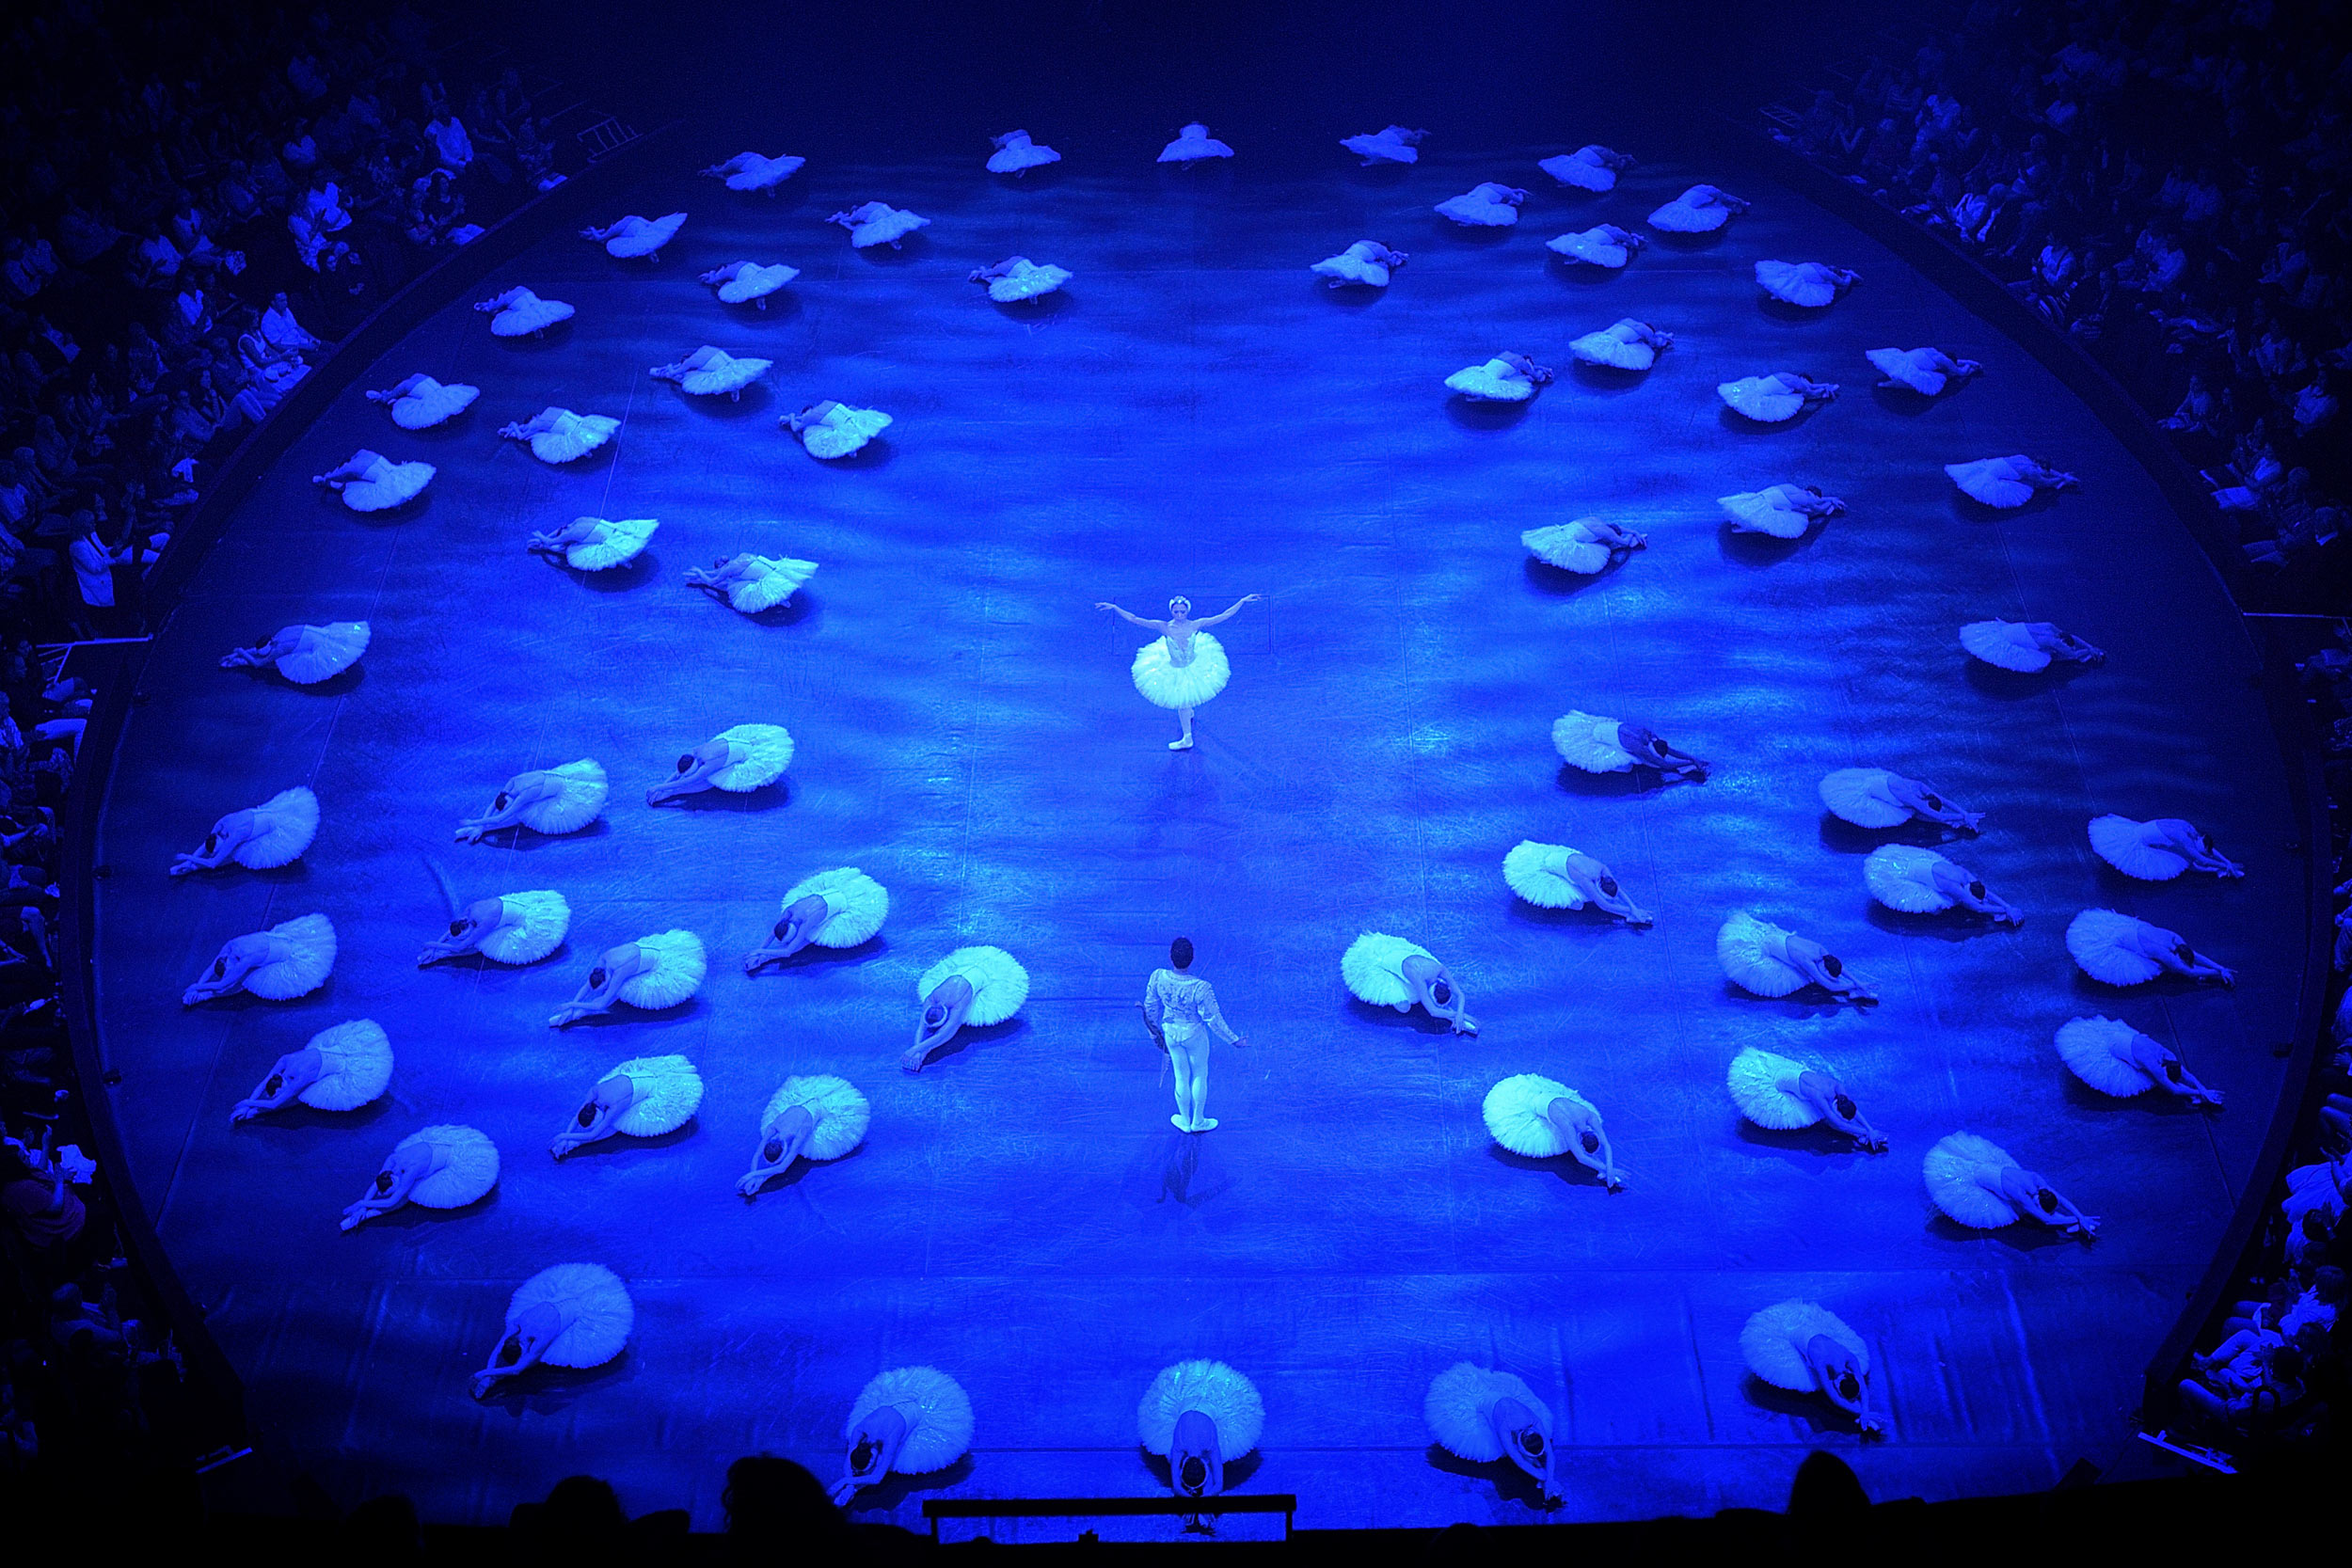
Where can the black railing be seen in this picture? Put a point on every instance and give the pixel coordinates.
(936, 1509)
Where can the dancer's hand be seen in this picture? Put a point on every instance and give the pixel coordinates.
(1240, 1040)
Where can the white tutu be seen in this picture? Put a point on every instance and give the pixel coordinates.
(1193, 144)
(2098, 1052)
(469, 1165)
(1902, 877)
(937, 1412)
(1356, 264)
(521, 313)
(2005, 643)
(1860, 796)
(1695, 212)
(1588, 169)
(770, 752)
(1538, 873)
(1589, 743)
(664, 1094)
(2106, 946)
(1766, 510)
(623, 541)
(1755, 1082)
(1496, 381)
(1516, 1111)
(2123, 844)
(1950, 1169)
(1774, 1340)
(1027, 281)
(779, 578)
(1570, 546)
(999, 984)
(322, 653)
(573, 436)
(428, 403)
(843, 431)
(289, 820)
(580, 801)
(308, 957)
(745, 281)
(388, 485)
(1229, 1400)
(749, 171)
(855, 906)
(633, 236)
(1017, 154)
(724, 375)
(878, 223)
(532, 926)
(1169, 685)
(1594, 246)
(596, 1312)
(356, 1066)
(1459, 1409)
(1997, 482)
(1805, 283)
(1761, 398)
(1916, 368)
(1374, 968)
(1606, 348)
(1391, 146)
(1750, 951)
(842, 1113)
(679, 964)
(1485, 206)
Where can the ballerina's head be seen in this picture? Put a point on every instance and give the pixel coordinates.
(1179, 608)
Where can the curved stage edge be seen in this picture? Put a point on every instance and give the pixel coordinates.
(968, 735)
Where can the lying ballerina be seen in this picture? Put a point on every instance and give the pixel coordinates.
(371, 482)
(975, 986)
(1539, 1119)
(1590, 168)
(752, 583)
(1977, 1184)
(644, 1098)
(571, 1315)
(597, 543)
(911, 1421)
(1389, 972)
(738, 760)
(1814, 285)
(290, 959)
(831, 430)
(1913, 880)
(1508, 377)
(550, 800)
(260, 838)
(1585, 546)
(1766, 960)
(748, 282)
(520, 313)
(876, 223)
(557, 436)
(1628, 345)
(1193, 145)
(305, 655)
(652, 973)
(818, 1118)
(2007, 482)
(1807, 1349)
(1554, 877)
(2025, 646)
(508, 928)
(1774, 399)
(342, 1068)
(440, 1168)
(1603, 246)
(1700, 210)
(710, 371)
(1482, 1415)
(419, 402)
(2157, 851)
(1593, 744)
(1186, 666)
(1874, 797)
(1395, 145)
(749, 171)
(1016, 155)
(838, 908)
(1484, 206)
(625, 239)
(1200, 1417)
(1018, 279)
(1367, 261)
(1783, 511)
(1928, 372)
(2119, 950)
(2117, 1059)
(1785, 1094)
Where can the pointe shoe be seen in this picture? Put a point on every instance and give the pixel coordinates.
(1180, 1123)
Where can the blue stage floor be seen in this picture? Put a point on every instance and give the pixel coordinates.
(1199, 416)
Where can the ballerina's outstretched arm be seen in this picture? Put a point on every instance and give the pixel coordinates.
(2183, 840)
(466, 933)
(2180, 957)
(1160, 626)
(507, 808)
(1540, 375)
(790, 934)
(1825, 969)
(352, 471)
(780, 1143)
(1588, 1142)
(2036, 1199)
(694, 770)
(1829, 1097)
(228, 970)
(228, 834)
(2167, 1072)
(1599, 886)
(943, 1012)
(522, 1347)
(579, 530)
(873, 1448)
(721, 574)
(291, 1075)
(1196, 1461)
(1219, 619)
(394, 394)
(603, 991)
(593, 1119)
(2037, 473)
(1524, 1443)
(1922, 799)
(1967, 889)
(393, 1184)
(1438, 992)
(2060, 643)
(1649, 748)
(1841, 1381)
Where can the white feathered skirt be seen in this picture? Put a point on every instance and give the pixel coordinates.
(594, 1303)
(1228, 1399)
(1950, 1169)
(1460, 1404)
(1775, 1338)
(1166, 684)
(937, 1412)
(1518, 1115)
(842, 1113)
(356, 1066)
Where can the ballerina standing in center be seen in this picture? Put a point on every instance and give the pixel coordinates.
(1178, 1006)
(1186, 666)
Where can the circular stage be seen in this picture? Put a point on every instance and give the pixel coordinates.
(1196, 414)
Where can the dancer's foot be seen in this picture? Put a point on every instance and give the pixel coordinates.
(1206, 1124)
(1183, 745)
(1180, 1124)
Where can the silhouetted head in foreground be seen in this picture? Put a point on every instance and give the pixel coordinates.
(1180, 953)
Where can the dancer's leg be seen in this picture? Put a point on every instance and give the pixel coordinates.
(1198, 1050)
(1180, 1062)
(1184, 717)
